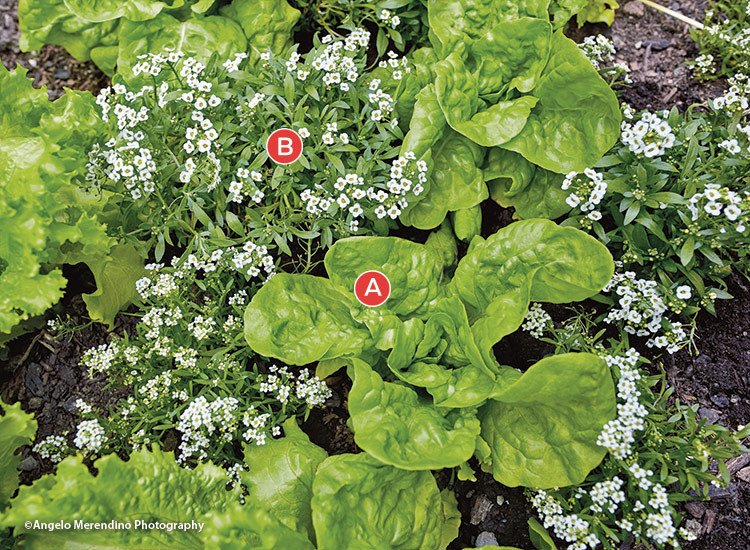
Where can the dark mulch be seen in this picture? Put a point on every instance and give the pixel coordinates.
(52, 65)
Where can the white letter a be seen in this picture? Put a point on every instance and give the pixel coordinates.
(373, 287)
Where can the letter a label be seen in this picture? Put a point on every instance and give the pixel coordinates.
(372, 288)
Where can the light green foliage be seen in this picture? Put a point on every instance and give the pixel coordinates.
(541, 427)
(150, 486)
(267, 24)
(45, 219)
(383, 413)
(576, 119)
(505, 78)
(196, 37)
(113, 33)
(455, 181)
(442, 342)
(16, 428)
(280, 474)
(358, 502)
(297, 498)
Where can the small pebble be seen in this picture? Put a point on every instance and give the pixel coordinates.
(28, 464)
(62, 74)
(486, 538)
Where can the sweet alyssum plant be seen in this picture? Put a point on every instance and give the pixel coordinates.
(672, 199)
(195, 384)
(186, 155)
(426, 354)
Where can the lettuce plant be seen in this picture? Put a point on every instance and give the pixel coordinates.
(434, 338)
(113, 34)
(16, 428)
(45, 218)
(500, 83)
(296, 498)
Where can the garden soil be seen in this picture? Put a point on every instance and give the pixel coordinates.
(44, 374)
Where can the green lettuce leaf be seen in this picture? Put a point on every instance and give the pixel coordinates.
(533, 191)
(267, 24)
(398, 427)
(358, 502)
(511, 55)
(455, 182)
(43, 214)
(251, 526)
(115, 277)
(199, 38)
(413, 272)
(455, 21)
(97, 11)
(542, 430)
(577, 118)
(300, 319)
(150, 486)
(531, 260)
(280, 474)
(52, 22)
(16, 428)
(451, 518)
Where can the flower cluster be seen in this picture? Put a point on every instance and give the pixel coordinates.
(721, 202)
(736, 99)
(336, 61)
(651, 136)
(90, 436)
(618, 435)
(641, 310)
(52, 447)
(598, 49)
(634, 495)
(388, 18)
(536, 320)
(125, 159)
(191, 309)
(358, 199)
(585, 192)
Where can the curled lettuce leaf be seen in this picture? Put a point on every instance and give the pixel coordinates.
(455, 182)
(542, 429)
(280, 475)
(150, 486)
(199, 38)
(414, 273)
(456, 21)
(398, 427)
(577, 118)
(44, 217)
(285, 320)
(359, 502)
(267, 24)
(16, 428)
(531, 260)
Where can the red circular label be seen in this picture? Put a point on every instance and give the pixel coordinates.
(372, 288)
(284, 146)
